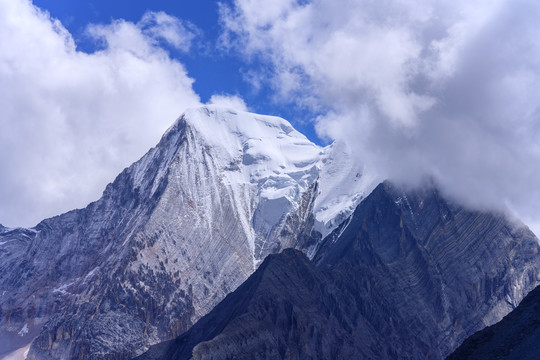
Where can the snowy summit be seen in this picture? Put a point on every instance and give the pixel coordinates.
(279, 164)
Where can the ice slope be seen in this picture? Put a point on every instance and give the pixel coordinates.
(265, 162)
(268, 166)
(343, 183)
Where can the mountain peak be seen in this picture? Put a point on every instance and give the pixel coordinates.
(263, 162)
(241, 123)
(267, 143)
(190, 221)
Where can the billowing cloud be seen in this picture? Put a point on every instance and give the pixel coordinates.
(228, 101)
(425, 88)
(161, 26)
(70, 121)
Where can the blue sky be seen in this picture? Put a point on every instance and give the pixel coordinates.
(413, 89)
(214, 69)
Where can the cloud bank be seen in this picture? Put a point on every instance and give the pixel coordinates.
(71, 121)
(449, 90)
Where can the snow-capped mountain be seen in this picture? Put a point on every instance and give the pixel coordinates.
(196, 216)
(171, 236)
(267, 166)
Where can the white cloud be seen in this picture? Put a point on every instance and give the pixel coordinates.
(72, 121)
(160, 25)
(228, 101)
(447, 89)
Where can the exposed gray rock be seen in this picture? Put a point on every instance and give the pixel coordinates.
(515, 337)
(409, 276)
(447, 271)
(288, 308)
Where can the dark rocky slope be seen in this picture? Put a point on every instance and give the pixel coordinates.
(288, 309)
(516, 337)
(408, 277)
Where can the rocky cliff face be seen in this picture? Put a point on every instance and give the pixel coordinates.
(171, 236)
(515, 337)
(288, 308)
(445, 270)
(409, 276)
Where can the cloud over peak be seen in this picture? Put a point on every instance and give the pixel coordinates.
(424, 88)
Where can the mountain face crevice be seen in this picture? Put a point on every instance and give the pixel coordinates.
(409, 276)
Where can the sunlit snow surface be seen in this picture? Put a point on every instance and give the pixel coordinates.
(343, 184)
(281, 163)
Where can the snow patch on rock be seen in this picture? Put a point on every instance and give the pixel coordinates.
(23, 331)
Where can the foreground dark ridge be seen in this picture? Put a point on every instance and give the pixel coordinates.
(410, 276)
(516, 337)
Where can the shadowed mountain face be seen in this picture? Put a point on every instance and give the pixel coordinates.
(409, 276)
(516, 337)
(288, 309)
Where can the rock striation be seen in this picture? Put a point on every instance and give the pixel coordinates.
(288, 308)
(169, 238)
(516, 336)
(409, 276)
